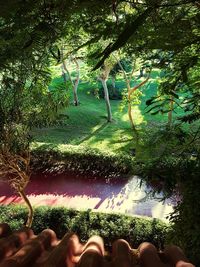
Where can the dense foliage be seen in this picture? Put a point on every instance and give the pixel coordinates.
(81, 160)
(147, 29)
(173, 169)
(186, 218)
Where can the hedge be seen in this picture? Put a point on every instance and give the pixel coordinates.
(81, 159)
(87, 223)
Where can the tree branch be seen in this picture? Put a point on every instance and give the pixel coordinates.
(125, 35)
(140, 84)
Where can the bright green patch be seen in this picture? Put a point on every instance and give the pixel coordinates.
(86, 124)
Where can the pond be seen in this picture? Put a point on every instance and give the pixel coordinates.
(82, 192)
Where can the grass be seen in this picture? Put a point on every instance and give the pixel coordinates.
(87, 125)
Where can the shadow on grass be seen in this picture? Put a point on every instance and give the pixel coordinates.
(97, 131)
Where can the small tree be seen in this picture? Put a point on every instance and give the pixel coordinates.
(127, 66)
(101, 74)
(74, 83)
(66, 73)
(128, 78)
(103, 77)
(15, 161)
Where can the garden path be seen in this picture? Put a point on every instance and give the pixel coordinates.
(72, 191)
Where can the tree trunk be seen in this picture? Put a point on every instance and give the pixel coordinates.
(76, 102)
(64, 67)
(171, 104)
(76, 83)
(106, 96)
(128, 85)
(130, 115)
(130, 92)
(64, 74)
(75, 87)
(130, 109)
(30, 209)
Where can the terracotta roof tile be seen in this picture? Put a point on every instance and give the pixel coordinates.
(4, 230)
(24, 249)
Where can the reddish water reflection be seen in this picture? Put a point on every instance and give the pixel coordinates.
(69, 190)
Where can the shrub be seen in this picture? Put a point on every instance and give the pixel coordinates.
(87, 223)
(82, 159)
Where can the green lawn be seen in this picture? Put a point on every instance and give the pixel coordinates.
(87, 125)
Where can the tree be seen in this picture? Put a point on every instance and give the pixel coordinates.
(28, 30)
(151, 25)
(178, 85)
(128, 78)
(15, 161)
(101, 74)
(23, 77)
(127, 66)
(152, 28)
(103, 77)
(75, 83)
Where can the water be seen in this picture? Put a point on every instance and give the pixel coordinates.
(68, 190)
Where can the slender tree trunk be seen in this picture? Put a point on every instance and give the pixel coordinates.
(76, 83)
(107, 100)
(64, 74)
(128, 86)
(130, 108)
(30, 209)
(171, 106)
(75, 87)
(130, 92)
(76, 102)
(63, 68)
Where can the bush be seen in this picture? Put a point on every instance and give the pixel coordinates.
(87, 223)
(53, 100)
(82, 159)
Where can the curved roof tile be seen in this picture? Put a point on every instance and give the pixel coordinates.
(24, 249)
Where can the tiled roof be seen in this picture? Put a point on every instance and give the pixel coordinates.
(22, 248)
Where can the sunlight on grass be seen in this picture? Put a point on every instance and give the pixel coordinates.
(138, 118)
(86, 125)
(74, 148)
(97, 127)
(35, 145)
(111, 140)
(101, 144)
